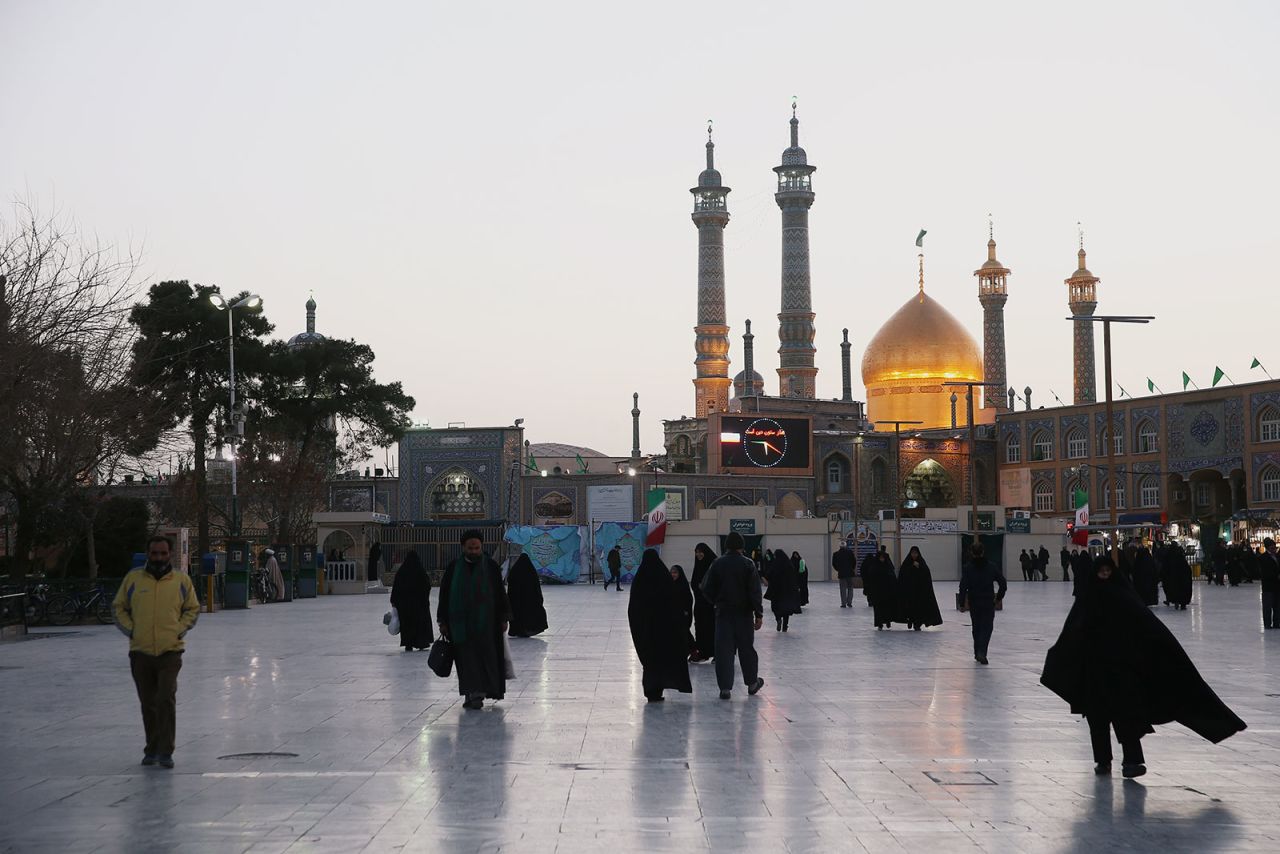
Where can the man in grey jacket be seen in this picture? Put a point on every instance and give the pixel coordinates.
(733, 586)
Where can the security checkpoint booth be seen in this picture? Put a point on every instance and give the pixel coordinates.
(345, 539)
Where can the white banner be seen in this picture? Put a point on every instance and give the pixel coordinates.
(611, 503)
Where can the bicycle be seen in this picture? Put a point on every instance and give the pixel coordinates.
(65, 608)
(263, 589)
(37, 603)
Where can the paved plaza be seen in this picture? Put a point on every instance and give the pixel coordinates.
(889, 741)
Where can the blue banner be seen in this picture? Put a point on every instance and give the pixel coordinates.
(558, 552)
(629, 537)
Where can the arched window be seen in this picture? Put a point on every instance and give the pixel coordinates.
(1271, 484)
(1013, 449)
(1044, 497)
(456, 495)
(1102, 442)
(1042, 446)
(879, 477)
(1269, 425)
(1146, 433)
(837, 475)
(1149, 491)
(1106, 494)
(682, 446)
(1077, 444)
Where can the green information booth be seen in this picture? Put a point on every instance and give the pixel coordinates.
(239, 565)
(306, 565)
(285, 560)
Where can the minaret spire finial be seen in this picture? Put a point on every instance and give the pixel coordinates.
(795, 125)
(991, 227)
(711, 148)
(921, 257)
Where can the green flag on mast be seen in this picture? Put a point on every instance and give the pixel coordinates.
(1218, 374)
(1256, 363)
(920, 238)
(1150, 385)
(1186, 380)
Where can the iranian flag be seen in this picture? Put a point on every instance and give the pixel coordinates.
(657, 504)
(1080, 536)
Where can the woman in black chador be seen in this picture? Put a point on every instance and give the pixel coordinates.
(704, 612)
(1118, 665)
(918, 604)
(528, 616)
(411, 597)
(1176, 578)
(658, 629)
(1145, 577)
(784, 588)
(682, 598)
(880, 587)
(802, 578)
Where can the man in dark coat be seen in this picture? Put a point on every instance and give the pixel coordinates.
(1177, 578)
(844, 562)
(372, 568)
(866, 570)
(657, 629)
(1025, 560)
(1269, 574)
(784, 588)
(473, 614)
(976, 580)
(880, 585)
(704, 612)
(614, 563)
(1043, 561)
(733, 586)
(919, 605)
(524, 591)
(1064, 557)
(1118, 665)
(411, 597)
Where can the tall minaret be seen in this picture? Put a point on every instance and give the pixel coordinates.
(1082, 297)
(635, 425)
(993, 293)
(796, 372)
(711, 215)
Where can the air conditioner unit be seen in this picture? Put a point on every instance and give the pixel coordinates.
(887, 515)
(1022, 514)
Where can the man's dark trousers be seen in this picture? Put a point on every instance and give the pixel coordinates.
(156, 678)
(735, 633)
(984, 622)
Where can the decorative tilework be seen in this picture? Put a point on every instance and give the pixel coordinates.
(1233, 415)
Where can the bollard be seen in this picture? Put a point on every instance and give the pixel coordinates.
(208, 596)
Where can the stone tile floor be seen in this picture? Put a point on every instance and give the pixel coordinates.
(861, 741)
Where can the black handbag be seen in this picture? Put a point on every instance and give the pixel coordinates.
(440, 659)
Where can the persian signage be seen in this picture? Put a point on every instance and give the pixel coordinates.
(760, 444)
(611, 503)
(746, 527)
(928, 526)
(1015, 487)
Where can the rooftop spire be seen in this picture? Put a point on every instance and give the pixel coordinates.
(921, 257)
(711, 148)
(795, 125)
(311, 313)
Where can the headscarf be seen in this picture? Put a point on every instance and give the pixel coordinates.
(700, 566)
(652, 587)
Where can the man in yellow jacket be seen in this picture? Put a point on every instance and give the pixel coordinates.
(156, 607)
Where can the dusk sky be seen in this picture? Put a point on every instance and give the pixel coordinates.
(495, 196)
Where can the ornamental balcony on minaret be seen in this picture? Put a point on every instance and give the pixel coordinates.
(993, 293)
(797, 374)
(711, 215)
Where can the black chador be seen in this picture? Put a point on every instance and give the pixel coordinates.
(880, 583)
(918, 604)
(528, 615)
(704, 612)
(1145, 581)
(783, 592)
(1118, 665)
(1177, 578)
(411, 597)
(682, 600)
(658, 629)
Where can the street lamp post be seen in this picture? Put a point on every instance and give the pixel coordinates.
(973, 451)
(897, 465)
(237, 423)
(1106, 320)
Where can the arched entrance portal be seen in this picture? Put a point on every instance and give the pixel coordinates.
(928, 485)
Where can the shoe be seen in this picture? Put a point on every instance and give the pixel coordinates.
(756, 686)
(724, 695)
(982, 659)
(656, 699)
(166, 761)
(918, 628)
(149, 759)
(1135, 770)
(1102, 769)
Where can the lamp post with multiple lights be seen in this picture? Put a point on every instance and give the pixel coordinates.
(897, 465)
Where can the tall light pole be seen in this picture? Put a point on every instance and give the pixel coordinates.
(237, 422)
(1106, 320)
(973, 450)
(897, 465)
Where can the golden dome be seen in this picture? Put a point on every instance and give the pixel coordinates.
(917, 349)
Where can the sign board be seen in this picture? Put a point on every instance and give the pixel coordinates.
(675, 502)
(1015, 487)
(863, 537)
(760, 444)
(986, 521)
(928, 526)
(745, 527)
(1017, 526)
(611, 503)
